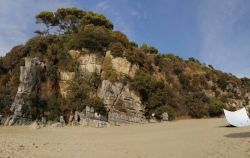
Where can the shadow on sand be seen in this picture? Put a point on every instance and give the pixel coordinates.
(227, 126)
(238, 135)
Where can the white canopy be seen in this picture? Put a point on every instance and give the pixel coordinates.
(237, 118)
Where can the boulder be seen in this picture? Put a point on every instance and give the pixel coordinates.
(164, 116)
(62, 121)
(35, 125)
(57, 124)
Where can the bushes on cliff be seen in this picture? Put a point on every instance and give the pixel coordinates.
(246, 84)
(79, 94)
(91, 37)
(5, 100)
(197, 104)
(118, 36)
(149, 49)
(215, 108)
(184, 80)
(68, 20)
(108, 71)
(13, 58)
(178, 93)
(97, 20)
(160, 110)
(154, 94)
(222, 83)
(117, 49)
(97, 104)
(52, 110)
(136, 56)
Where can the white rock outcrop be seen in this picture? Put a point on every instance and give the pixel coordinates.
(29, 81)
(112, 93)
(123, 66)
(65, 77)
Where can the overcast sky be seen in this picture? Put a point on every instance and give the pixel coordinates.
(213, 31)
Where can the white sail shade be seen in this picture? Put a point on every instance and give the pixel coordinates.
(237, 118)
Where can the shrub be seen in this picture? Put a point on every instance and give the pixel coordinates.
(120, 37)
(52, 108)
(97, 20)
(222, 83)
(159, 111)
(91, 37)
(5, 100)
(215, 108)
(117, 49)
(97, 104)
(108, 72)
(78, 93)
(184, 80)
(197, 104)
(197, 109)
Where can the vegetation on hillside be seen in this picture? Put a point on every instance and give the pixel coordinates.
(164, 82)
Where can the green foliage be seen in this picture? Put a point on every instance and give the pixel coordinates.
(97, 20)
(53, 107)
(36, 104)
(68, 20)
(149, 49)
(154, 93)
(79, 97)
(160, 110)
(216, 107)
(65, 19)
(5, 101)
(120, 37)
(13, 58)
(52, 72)
(222, 83)
(78, 92)
(91, 37)
(246, 84)
(164, 82)
(108, 71)
(197, 104)
(191, 59)
(133, 44)
(153, 50)
(46, 18)
(97, 104)
(117, 49)
(2, 70)
(184, 80)
(136, 57)
(39, 45)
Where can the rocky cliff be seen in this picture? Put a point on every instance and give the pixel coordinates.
(29, 81)
(116, 96)
(88, 71)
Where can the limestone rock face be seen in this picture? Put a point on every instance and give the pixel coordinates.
(90, 63)
(29, 79)
(65, 77)
(123, 66)
(112, 94)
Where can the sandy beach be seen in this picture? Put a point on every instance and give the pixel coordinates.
(185, 138)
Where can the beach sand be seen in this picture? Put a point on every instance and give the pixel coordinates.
(204, 138)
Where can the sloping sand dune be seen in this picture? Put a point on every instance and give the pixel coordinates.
(205, 138)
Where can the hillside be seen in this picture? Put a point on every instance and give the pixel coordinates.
(79, 63)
